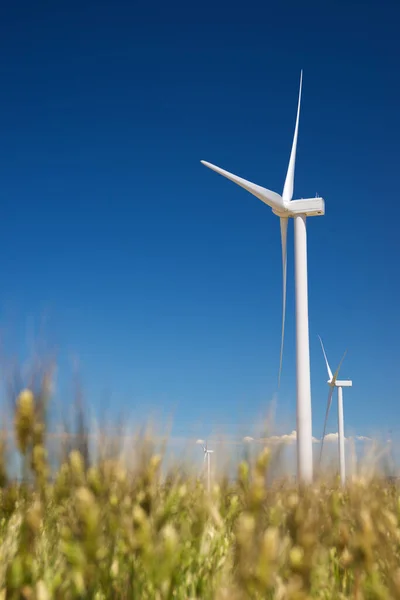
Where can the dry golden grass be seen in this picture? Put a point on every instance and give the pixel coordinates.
(102, 531)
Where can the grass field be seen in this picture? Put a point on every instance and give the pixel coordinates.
(105, 531)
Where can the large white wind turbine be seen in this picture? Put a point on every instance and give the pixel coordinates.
(284, 207)
(333, 382)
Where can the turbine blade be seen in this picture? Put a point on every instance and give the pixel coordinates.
(326, 360)
(335, 376)
(284, 226)
(328, 406)
(270, 198)
(287, 194)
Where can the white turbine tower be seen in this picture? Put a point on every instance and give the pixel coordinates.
(207, 461)
(284, 207)
(333, 382)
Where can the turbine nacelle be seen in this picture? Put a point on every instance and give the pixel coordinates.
(340, 383)
(310, 207)
(204, 446)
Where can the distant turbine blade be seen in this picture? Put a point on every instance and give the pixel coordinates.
(270, 198)
(326, 360)
(335, 376)
(328, 406)
(284, 226)
(287, 194)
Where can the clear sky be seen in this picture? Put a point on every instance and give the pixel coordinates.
(163, 278)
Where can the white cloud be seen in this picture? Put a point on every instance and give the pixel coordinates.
(332, 437)
(290, 438)
(286, 437)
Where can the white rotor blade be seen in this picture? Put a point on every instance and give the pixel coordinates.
(287, 194)
(270, 198)
(328, 406)
(326, 360)
(284, 226)
(335, 376)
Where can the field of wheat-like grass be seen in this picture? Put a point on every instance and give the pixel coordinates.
(103, 530)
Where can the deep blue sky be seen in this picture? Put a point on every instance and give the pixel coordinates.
(162, 277)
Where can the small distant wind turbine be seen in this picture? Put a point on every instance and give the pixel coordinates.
(284, 207)
(333, 382)
(207, 461)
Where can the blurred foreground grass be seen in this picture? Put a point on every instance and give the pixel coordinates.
(111, 530)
